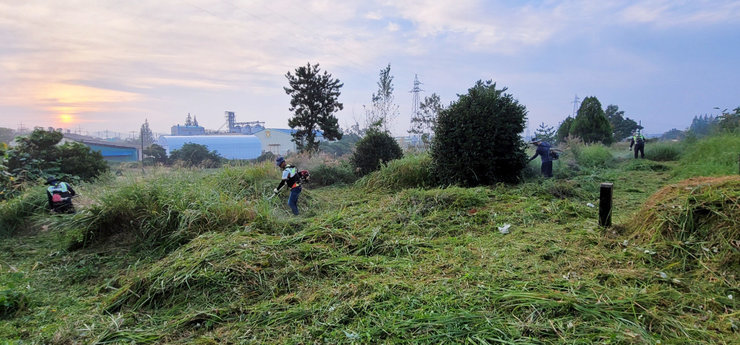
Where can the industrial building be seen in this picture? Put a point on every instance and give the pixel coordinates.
(112, 152)
(228, 146)
(280, 141)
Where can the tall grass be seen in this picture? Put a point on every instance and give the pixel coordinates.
(663, 151)
(411, 171)
(712, 156)
(592, 155)
(169, 209)
(16, 212)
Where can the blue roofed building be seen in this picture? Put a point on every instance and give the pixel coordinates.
(228, 146)
(111, 151)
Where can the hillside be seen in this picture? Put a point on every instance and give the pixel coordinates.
(181, 257)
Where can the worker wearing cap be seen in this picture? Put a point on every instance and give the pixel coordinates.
(60, 196)
(543, 150)
(292, 179)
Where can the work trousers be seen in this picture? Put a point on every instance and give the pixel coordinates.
(293, 199)
(641, 148)
(546, 169)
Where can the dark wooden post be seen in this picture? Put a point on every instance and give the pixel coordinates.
(605, 204)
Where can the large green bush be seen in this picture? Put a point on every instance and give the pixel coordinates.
(373, 150)
(478, 140)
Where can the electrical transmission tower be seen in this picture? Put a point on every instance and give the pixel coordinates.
(415, 116)
(575, 105)
(415, 99)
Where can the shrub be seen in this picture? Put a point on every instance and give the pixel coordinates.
(413, 171)
(373, 150)
(477, 140)
(663, 151)
(329, 174)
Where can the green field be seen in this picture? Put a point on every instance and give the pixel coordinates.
(190, 256)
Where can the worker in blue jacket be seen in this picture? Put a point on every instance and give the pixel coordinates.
(543, 150)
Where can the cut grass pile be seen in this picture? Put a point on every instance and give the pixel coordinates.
(695, 222)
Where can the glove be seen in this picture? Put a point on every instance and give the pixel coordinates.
(275, 191)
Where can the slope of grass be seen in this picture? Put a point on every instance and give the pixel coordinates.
(388, 260)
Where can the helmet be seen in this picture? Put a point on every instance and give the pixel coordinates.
(51, 180)
(279, 160)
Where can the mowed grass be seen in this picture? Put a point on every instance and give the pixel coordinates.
(369, 264)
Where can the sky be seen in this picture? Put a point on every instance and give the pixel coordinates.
(93, 66)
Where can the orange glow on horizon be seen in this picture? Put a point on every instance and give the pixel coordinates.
(66, 119)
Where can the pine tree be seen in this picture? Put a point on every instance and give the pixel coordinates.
(545, 133)
(313, 100)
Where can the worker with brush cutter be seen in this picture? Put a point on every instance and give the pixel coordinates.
(638, 141)
(547, 155)
(60, 196)
(292, 178)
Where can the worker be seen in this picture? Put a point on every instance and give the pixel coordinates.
(638, 141)
(544, 151)
(60, 196)
(292, 179)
